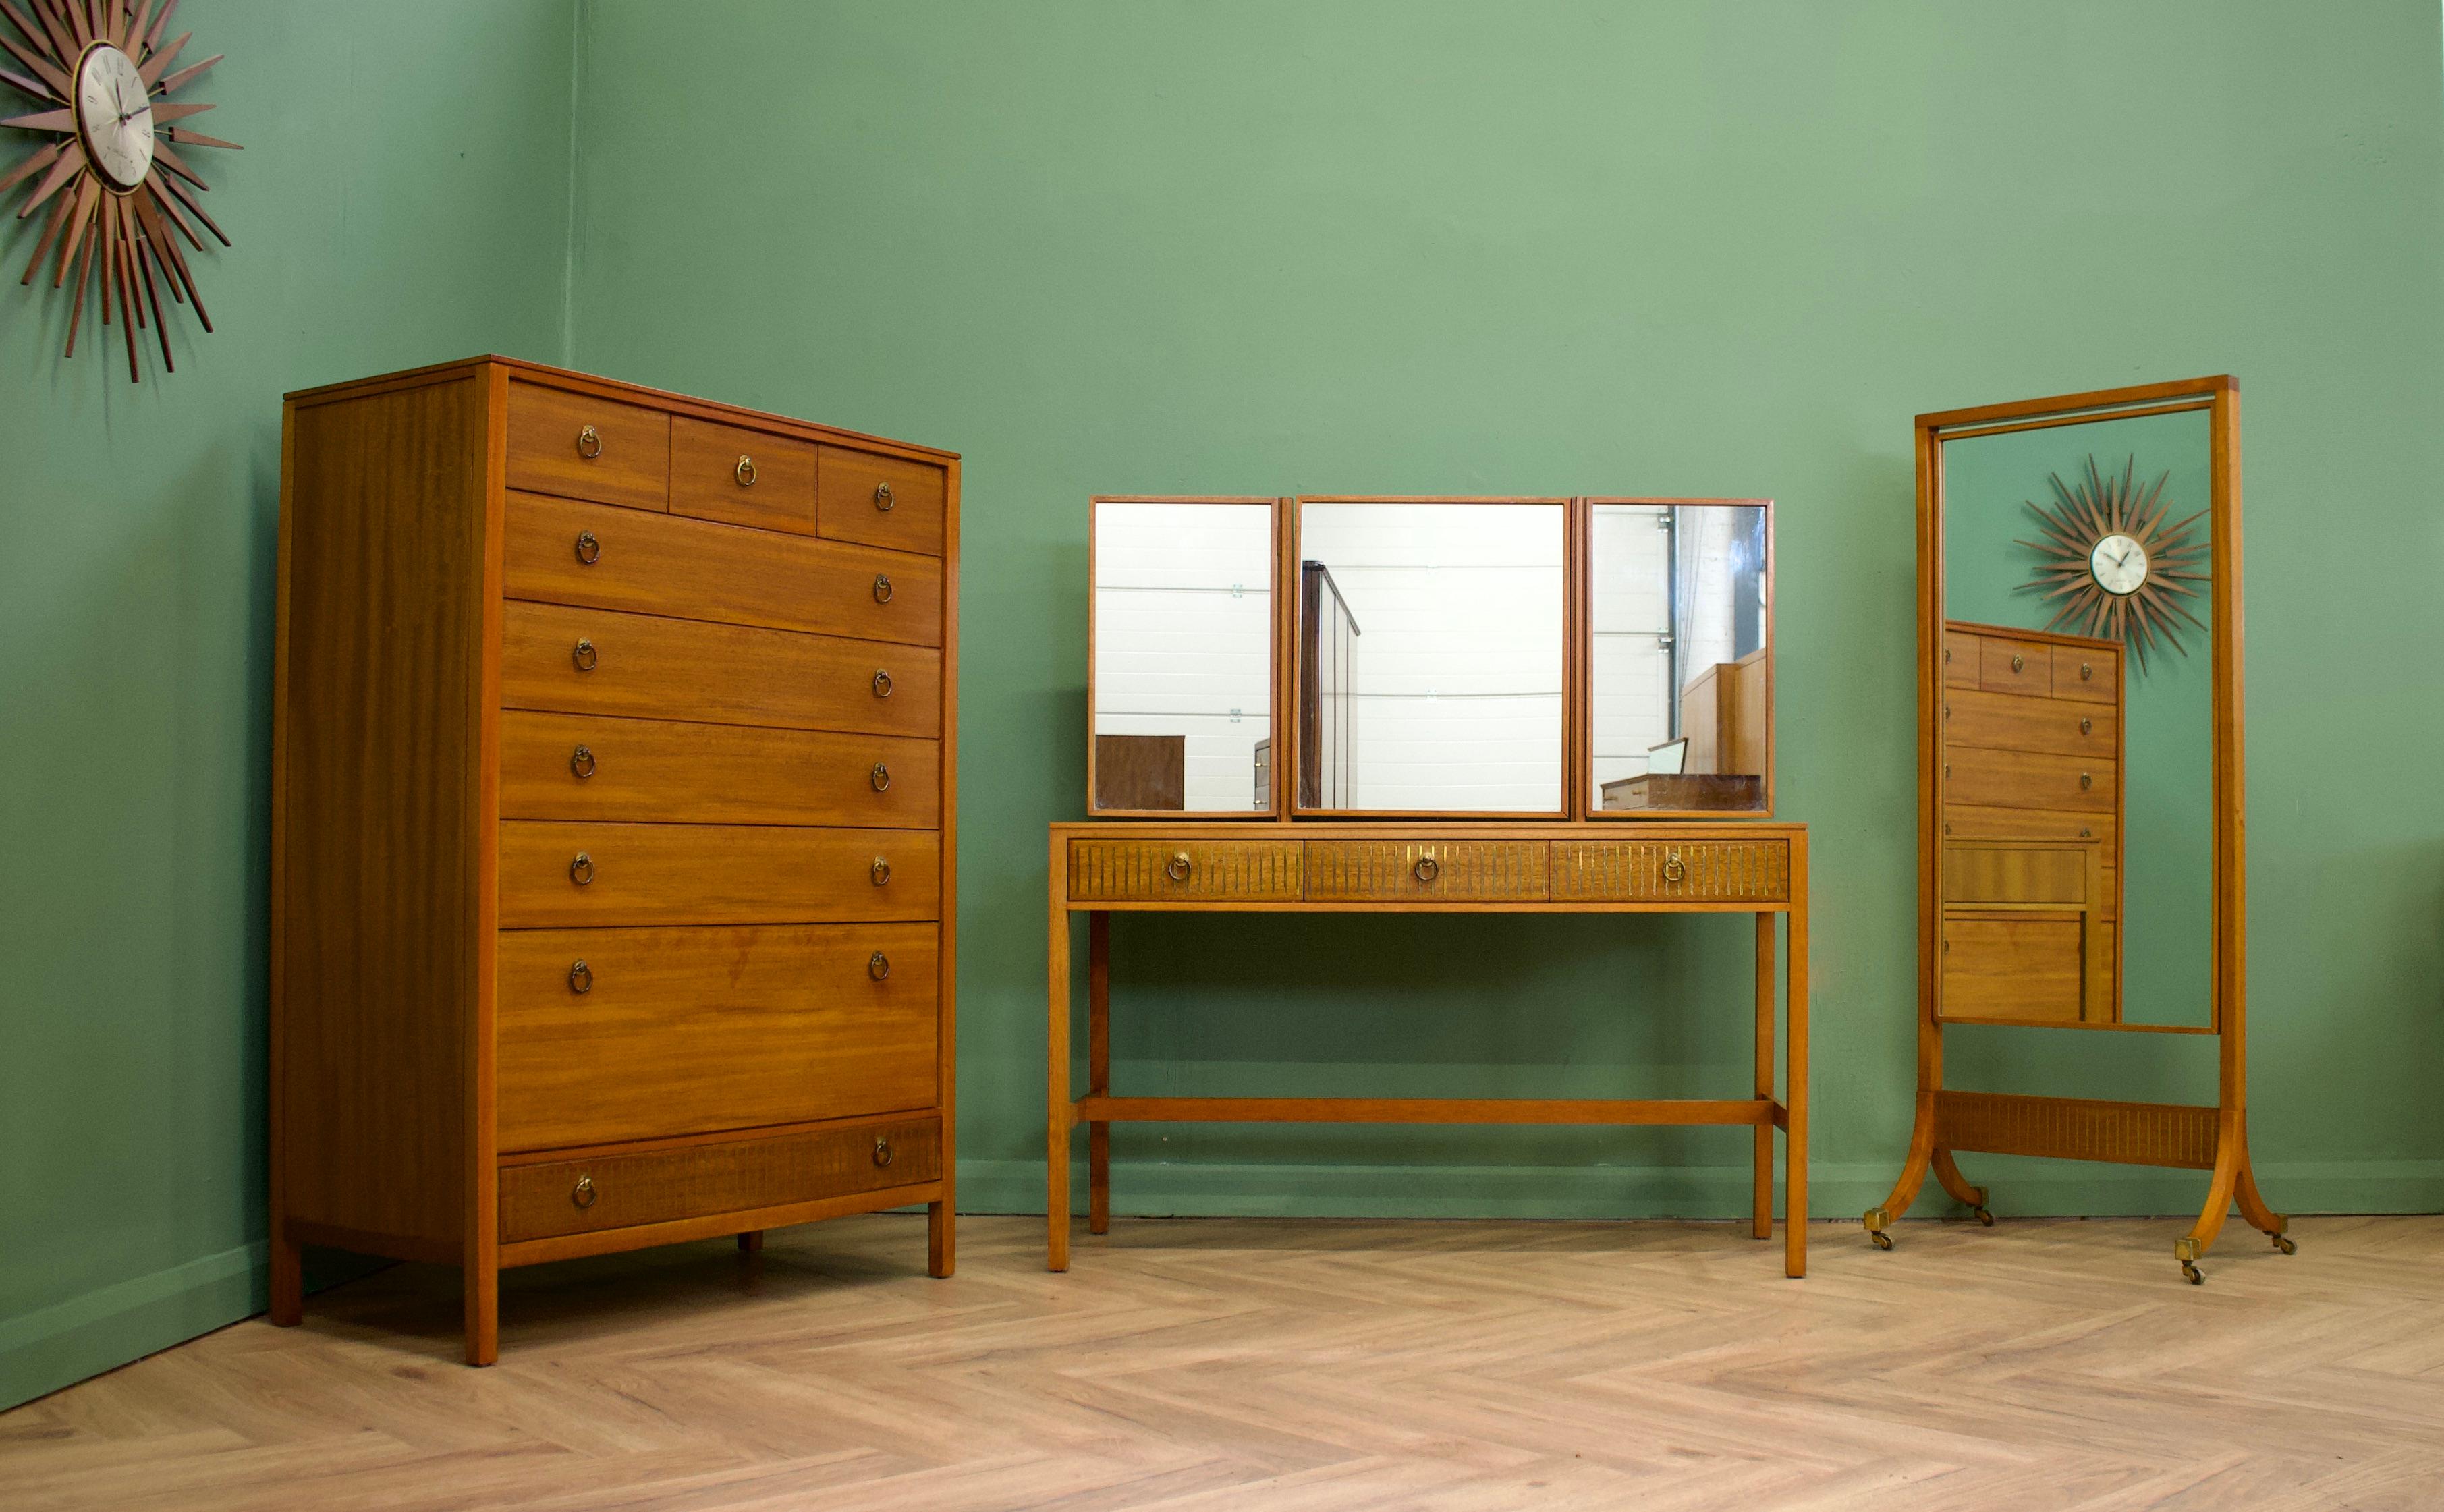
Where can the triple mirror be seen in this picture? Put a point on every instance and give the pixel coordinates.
(2074, 780)
(1494, 658)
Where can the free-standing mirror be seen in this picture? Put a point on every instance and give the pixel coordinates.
(1181, 674)
(1679, 631)
(1431, 658)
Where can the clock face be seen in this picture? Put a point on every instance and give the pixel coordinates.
(2119, 565)
(114, 116)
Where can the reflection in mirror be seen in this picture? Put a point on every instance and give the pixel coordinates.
(1183, 656)
(1430, 656)
(1678, 664)
(2078, 730)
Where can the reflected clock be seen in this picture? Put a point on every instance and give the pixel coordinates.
(2112, 569)
(119, 194)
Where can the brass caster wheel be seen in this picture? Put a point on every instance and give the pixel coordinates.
(1984, 1218)
(1883, 1240)
(2193, 1275)
(2283, 1242)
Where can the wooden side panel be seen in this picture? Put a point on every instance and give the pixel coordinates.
(382, 642)
(614, 1035)
(555, 875)
(585, 766)
(1428, 871)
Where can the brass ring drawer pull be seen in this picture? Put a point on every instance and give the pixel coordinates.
(881, 870)
(2017, 663)
(1427, 869)
(882, 685)
(583, 1193)
(1674, 870)
(589, 443)
(581, 977)
(581, 761)
(581, 869)
(2086, 672)
(881, 1152)
(585, 656)
(879, 777)
(882, 499)
(2086, 726)
(1178, 867)
(745, 472)
(2086, 781)
(878, 966)
(589, 550)
(882, 589)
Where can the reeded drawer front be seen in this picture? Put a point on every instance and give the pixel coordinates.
(601, 873)
(562, 551)
(1203, 870)
(2013, 778)
(2008, 722)
(747, 477)
(1428, 871)
(1710, 871)
(594, 661)
(589, 768)
(697, 1181)
(611, 1035)
(574, 444)
(880, 501)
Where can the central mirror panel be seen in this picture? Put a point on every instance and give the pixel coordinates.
(1679, 657)
(1430, 665)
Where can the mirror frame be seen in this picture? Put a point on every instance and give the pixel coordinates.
(1274, 656)
(1582, 585)
(2220, 396)
(1573, 672)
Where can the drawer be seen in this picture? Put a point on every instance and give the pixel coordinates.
(2008, 722)
(574, 875)
(2089, 674)
(680, 1031)
(1708, 871)
(2022, 874)
(880, 501)
(574, 444)
(1429, 871)
(2019, 779)
(1979, 822)
(583, 766)
(1120, 871)
(745, 477)
(595, 661)
(1960, 653)
(559, 551)
(2027, 971)
(614, 1189)
(2014, 666)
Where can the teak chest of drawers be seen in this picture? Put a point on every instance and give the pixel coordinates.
(612, 824)
(1106, 867)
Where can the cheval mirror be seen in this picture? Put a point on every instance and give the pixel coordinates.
(2081, 772)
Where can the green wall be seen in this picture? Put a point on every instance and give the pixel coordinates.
(403, 199)
(1124, 245)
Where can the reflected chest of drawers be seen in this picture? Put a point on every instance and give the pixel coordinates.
(612, 819)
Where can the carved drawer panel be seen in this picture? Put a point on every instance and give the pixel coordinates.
(1429, 871)
(1711, 871)
(1153, 871)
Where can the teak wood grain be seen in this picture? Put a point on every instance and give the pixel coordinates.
(2009, 722)
(631, 446)
(713, 774)
(746, 476)
(880, 501)
(565, 552)
(712, 873)
(682, 1031)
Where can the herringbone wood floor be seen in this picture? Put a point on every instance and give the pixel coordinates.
(1193, 1365)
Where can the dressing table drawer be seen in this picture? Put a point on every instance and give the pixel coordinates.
(1711, 871)
(1156, 870)
(616, 1190)
(1429, 871)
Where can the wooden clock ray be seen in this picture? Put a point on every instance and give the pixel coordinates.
(120, 196)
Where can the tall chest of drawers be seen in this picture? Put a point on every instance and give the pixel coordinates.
(613, 820)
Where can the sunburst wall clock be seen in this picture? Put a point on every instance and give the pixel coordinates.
(2118, 570)
(120, 195)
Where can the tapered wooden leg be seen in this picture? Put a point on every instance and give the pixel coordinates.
(483, 1285)
(1099, 1068)
(1056, 1079)
(751, 1241)
(1761, 1222)
(288, 1279)
(2192, 1248)
(941, 1239)
(1794, 1180)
